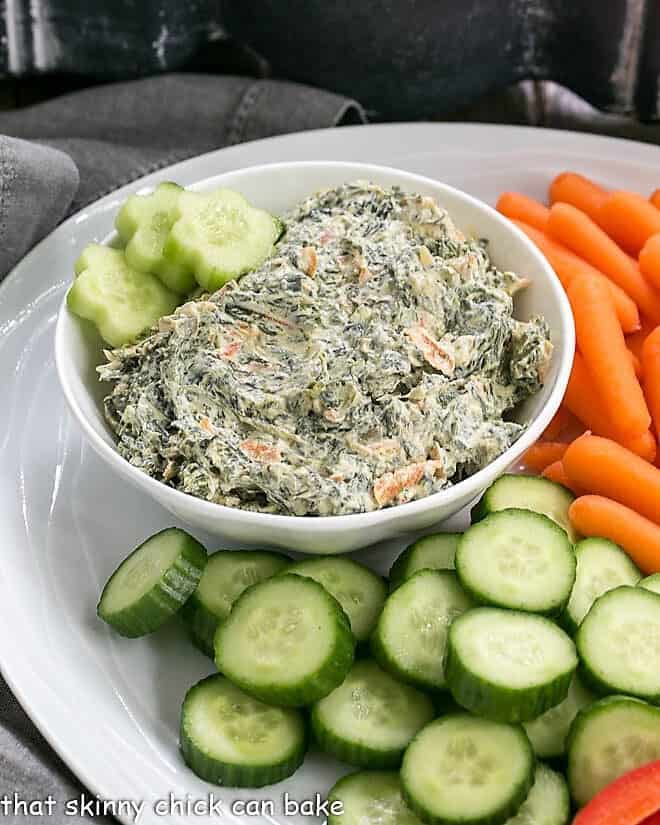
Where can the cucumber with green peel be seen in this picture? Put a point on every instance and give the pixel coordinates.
(601, 566)
(370, 718)
(518, 559)
(548, 732)
(287, 641)
(370, 798)
(530, 493)
(548, 802)
(232, 739)
(359, 590)
(434, 552)
(462, 770)
(144, 223)
(651, 583)
(122, 302)
(506, 665)
(607, 739)
(227, 574)
(619, 644)
(220, 236)
(410, 636)
(153, 583)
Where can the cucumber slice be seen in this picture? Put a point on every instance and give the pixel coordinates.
(121, 301)
(606, 740)
(518, 559)
(548, 803)
(508, 666)
(153, 583)
(651, 583)
(370, 718)
(619, 643)
(143, 223)
(461, 769)
(548, 733)
(410, 637)
(529, 493)
(231, 739)
(227, 574)
(220, 236)
(601, 566)
(286, 641)
(434, 552)
(360, 591)
(370, 798)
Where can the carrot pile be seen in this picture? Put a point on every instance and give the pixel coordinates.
(603, 443)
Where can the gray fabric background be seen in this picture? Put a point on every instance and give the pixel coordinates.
(56, 157)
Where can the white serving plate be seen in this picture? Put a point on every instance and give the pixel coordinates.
(109, 706)
(279, 187)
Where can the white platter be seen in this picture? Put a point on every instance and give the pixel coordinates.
(110, 706)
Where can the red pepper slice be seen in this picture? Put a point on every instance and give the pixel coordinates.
(632, 799)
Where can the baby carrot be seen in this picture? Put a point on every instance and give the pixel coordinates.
(560, 421)
(556, 472)
(520, 207)
(580, 192)
(651, 366)
(567, 266)
(580, 234)
(637, 365)
(649, 259)
(655, 199)
(604, 350)
(544, 453)
(635, 341)
(604, 467)
(629, 219)
(639, 537)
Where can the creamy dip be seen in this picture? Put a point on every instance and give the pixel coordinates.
(368, 362)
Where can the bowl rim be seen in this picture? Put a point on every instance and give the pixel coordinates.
(468, 488)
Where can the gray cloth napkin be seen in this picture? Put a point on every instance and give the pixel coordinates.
(56, 157)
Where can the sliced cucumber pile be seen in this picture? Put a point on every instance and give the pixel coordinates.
(517, 559)
(548, 802)
(410, 637)
(461, 769)
(601, 566)
(153, 583)
(287, 641)
(370, 798)
(230, 738)
(370, 718)
(506, 665)
(227, 574)
(651, 583)
(434, 552)
(548, 732)
(357, 589)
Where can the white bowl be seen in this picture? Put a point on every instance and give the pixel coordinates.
(277, 187)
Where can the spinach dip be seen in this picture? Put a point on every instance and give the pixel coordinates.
(368, 362)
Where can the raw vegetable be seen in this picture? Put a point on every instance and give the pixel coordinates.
(629, 800)
(143, 224)
(548, 732)
(227, 574)
(618, 643)
(543, 454)
(460, 769)
(359, 591)
(561, 421)
(602, 345)
(580, 234)
(629, 219)
(370, 798)
(651, 583)
(529, 564)
(548, 802)
(153, 583)
(601, 566)
(651, 367)
(507, 665)
(655, 198)
(639, 537)
(556, 472)
(517, 206)
(370, 718)
(119, 300)
(584, 194)
(607, 739)
(231, 739)
(649, 259)
(286, 641)
(409, 639)
(531, 493)
(434, 552)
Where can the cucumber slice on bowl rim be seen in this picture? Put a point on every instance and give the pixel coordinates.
(287, 641)
(370, 798)
(232, 739)
(153, 583)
